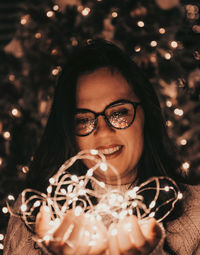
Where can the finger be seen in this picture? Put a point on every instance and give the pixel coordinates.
(113, 246)
(138, 240)
(151, 230)
(42, 222)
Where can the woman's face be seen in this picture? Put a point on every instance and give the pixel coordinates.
(122, 147)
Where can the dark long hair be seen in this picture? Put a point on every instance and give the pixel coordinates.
(58, 141)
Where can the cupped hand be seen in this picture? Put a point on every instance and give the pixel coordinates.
(131, 237)
(80, 234)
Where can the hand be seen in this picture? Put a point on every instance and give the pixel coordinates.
(134, 238)
(75, 235)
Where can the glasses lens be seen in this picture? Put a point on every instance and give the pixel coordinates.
(84, 123)
(120, 116)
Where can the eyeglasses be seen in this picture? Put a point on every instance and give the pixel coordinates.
(119, 114)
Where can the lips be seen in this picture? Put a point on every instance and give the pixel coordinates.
(110, 151)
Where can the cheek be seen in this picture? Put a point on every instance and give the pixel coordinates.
(82, 143)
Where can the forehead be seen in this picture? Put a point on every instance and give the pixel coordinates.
(101, 87)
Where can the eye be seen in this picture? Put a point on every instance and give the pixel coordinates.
(119, 112)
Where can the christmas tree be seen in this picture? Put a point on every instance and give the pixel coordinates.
(162, 37)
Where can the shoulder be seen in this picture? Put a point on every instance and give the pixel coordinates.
(183, 233)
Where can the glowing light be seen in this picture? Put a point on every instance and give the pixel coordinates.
(85, 11)
(55, 72)
(167, 56)
(180, 195)
(47, 238)
(153, 43)
(152, 204)
(114, 14)
(49, 189)
(169, 123)
(15, 112)
(162, 30)
(178, 112)
(24, 20)
(54, 51)
(114, 232)
(37, 203)
(50, 14)
(103, 166)
(38, 35)
(75, 178)
(167, 188)
(1, 161)
(11, 197)
(168, 103)
(1, 237)
(152, 214)
(23, 208)
(5, 210)
(140, 23)
(137, 49)
(174, 44)
(1, 246)
(52, 180)
(78, 211)
(55, 7)
(94, 152)
(6, 135)
(183, 142)
(11, 77)
(185, 165)
(25, 169)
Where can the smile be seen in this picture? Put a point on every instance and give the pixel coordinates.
(111, 151)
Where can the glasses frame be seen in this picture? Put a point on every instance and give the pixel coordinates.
(97, 114)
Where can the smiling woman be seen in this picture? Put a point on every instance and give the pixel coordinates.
(103, 101)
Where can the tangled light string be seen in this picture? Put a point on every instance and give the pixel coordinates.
(70, 192)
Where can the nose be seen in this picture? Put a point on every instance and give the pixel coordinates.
(102, 127)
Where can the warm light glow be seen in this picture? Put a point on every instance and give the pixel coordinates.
(15, 112)
(183, 142)
(56, 7)
(23, 208)
(1, 246)
(11, 77)
(52, 180)
(169, 123)
(168, 103)
(137, 49)
(6, 135)
(11, 197)
(85, 11)
(5, 210)
(38, 35)
(178, 112)
(162, 30)
(114, 14)
(103, 166)
(180, 195)
(25, 169)
(55, 72)
(174, 44)
(24, 20)
(140, 23)
(185, 165)
(1, 161)
(50, 14)
(153, 43)
(167, 56)
(1, 237)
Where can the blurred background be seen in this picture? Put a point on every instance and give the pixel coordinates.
(162, 36)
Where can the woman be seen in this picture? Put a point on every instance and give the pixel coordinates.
(98, 78)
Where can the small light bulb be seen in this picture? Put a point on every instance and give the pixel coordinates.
(6, 135)
(49, 189)
(174, 44)
(1, 246)
(85, 11)
(78, 211)
(140, 23)
(25, 169)
(152, 214)
(52, 180)
(15, 112)
(183, 142)
(37, 203)
(167, 56)
(1, 161)
(162, 30)
(137, 49)
(180, 195)
(38, 35)
(103, 166)
(168, 103)
(74, 178)
(23, 208)
(11, 197)
(178, 112)
(55, 7)
(1, 237)
(152, 204)
(185, 165)
(167, 188)
(50, 14)
(5, 210)
(153, 43)
(114, 14)
(94, 152)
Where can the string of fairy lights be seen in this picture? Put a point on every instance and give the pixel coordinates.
(15, 111)
(71, 192)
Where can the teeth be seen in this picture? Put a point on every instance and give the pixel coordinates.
(110, 150)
